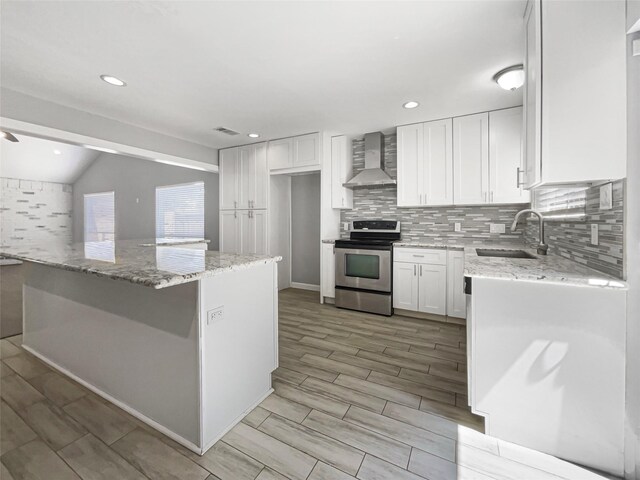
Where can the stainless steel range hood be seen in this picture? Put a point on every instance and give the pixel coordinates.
(373, 174)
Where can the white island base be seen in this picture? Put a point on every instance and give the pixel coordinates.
(161, 354)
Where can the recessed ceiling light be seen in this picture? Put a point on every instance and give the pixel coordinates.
(113, 80)
(510, 78)
(254, 135)
(57, 152)
(411, 104)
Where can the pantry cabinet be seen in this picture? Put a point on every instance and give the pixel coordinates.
(574, 124)
(471, 159)
(341, 172)
(294, 153)
(244, 231)
(243, 177)
(229, 232)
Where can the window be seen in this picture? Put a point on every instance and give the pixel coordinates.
(180, 211)
(99, 217)
(561, 203)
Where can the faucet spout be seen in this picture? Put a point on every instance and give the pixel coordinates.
(542, 247)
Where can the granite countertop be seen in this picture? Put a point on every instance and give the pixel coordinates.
(143, 262)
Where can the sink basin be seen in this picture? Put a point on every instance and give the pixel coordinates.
(488, 252)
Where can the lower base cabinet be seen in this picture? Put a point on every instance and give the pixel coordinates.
(429, 281)
(328, 283)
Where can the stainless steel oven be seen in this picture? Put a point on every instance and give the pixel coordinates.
(364, 267)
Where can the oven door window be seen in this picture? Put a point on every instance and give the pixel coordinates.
(362, 266)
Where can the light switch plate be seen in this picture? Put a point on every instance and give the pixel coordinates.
(606, 197)
(594, 234)
(457, 227)
(496, 228)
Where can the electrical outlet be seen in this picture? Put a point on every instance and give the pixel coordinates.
(215, 315)
(606, 197)
(594, 234)
(496, 228)
(345, 226)
(457, 227)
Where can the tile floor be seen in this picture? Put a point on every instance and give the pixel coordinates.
(356, 396)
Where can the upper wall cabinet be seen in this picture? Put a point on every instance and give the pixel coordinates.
(294, 153)
(575, 92)
(471, 159)
(425, 168)
(244, 177)
(341, 172)
(505, 157)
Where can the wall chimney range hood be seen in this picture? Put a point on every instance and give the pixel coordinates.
(373, 174)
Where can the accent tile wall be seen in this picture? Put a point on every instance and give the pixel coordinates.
(573, 239)
(434, 223)
(34, 212)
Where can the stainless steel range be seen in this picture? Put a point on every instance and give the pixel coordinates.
(364, 266)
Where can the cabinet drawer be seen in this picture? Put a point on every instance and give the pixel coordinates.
(420, 255)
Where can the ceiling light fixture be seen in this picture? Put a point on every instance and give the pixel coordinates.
(253, 135)
(510, 78)
(9, 136)
(57, 152)
(111, 80)
(411, 104)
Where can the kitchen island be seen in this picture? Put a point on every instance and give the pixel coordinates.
(181, 337)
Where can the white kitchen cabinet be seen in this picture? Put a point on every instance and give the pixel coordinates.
(229, 231)
(280, 153)
(341, 172)
(410, 140)
(456, 299)
(420, 280)
(436, 170)
(432, 289)
(294, 152)
(505, 157)
(575, 125)
(405, 286)
(229, 174)
(328, 287)
(244, 177)
(471, 159)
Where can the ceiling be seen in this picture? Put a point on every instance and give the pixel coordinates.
(276, 68)
(34, 159)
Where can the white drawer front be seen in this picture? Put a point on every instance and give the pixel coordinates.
(420, 255)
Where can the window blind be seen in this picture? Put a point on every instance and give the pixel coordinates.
(180, 211)
(99, 217)
(561, 203)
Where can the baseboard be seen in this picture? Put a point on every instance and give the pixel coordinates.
(164, 430)
(429, 316)
(305, 286)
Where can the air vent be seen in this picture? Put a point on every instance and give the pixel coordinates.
(226, 131)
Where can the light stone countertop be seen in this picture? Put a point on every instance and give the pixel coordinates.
(142, 262)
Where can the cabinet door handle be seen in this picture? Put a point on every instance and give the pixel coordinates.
(420, 270)
(235, 204)
(491, 197)
(343, 202)
(414, 270)
(420, 202)
(518, 183)
(235, 214)
(418, 256)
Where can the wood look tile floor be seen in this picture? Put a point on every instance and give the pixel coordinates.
(356, 396)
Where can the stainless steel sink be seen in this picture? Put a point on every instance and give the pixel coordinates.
(489, 252)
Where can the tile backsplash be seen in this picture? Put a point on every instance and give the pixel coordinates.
(433, 223)
(34, 212)
(573, 239)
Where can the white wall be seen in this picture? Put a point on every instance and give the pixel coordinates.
(25, 108)
(632, 241)
(35, 212)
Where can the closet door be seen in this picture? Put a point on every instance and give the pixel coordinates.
(437, 172)
(229, 172)
(410, 160)
(471, 159)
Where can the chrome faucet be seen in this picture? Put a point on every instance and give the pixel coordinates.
(542, 247)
